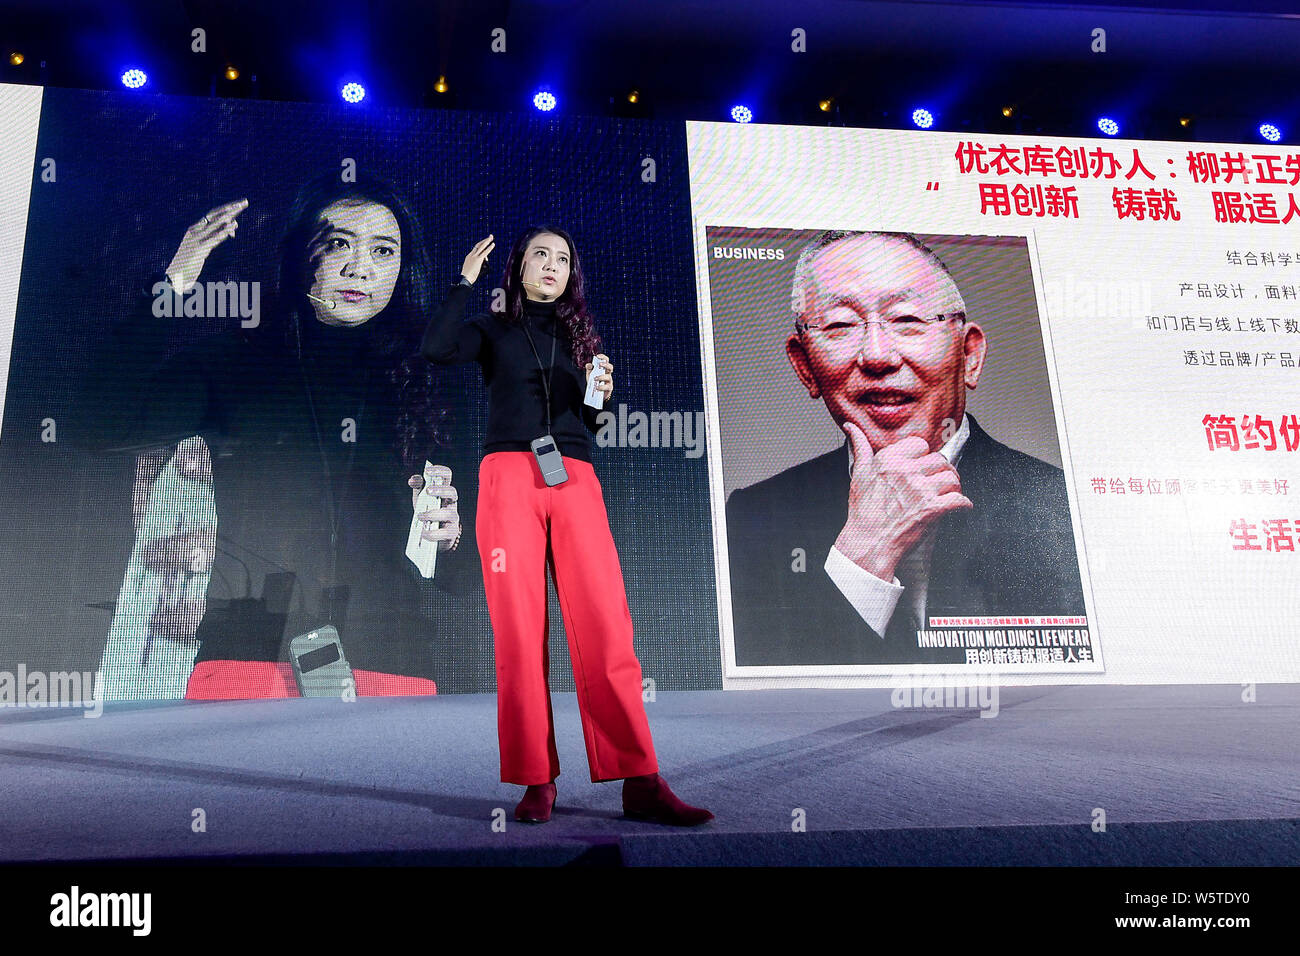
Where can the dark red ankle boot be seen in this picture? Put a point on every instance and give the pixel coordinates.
(648, 798)
(536, 805)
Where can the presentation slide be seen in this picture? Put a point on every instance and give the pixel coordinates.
(997, 405)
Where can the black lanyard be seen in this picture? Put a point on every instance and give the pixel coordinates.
(546, 380)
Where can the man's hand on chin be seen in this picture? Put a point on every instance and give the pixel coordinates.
(895, 495)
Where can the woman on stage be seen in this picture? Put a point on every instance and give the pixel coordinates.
(532, 358)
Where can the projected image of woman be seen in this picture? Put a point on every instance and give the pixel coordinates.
(316, 420)
(535, 359)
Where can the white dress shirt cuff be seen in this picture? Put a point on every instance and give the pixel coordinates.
(873, 598)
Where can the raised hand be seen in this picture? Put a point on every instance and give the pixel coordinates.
(199, 241)
(477, 256)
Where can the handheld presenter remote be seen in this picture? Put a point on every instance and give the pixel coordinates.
(595, 397)
(424, 554)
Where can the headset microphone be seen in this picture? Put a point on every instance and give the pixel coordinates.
(332, 305)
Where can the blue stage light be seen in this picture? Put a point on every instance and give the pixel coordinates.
(544, 100)
(353, 92)
(924, 119)
(1108, 126)
(741, 113)
(1270, 132)
(134, 79)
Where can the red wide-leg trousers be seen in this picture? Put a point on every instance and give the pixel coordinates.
(518, 516)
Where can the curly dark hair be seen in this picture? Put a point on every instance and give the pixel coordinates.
(570, 308)
(423, 421)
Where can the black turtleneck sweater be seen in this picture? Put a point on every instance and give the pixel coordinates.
(516, 396)
(343, 369)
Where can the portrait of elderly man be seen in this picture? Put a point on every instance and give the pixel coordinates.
(919, 512)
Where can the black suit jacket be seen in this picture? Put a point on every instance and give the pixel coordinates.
(1013, 553)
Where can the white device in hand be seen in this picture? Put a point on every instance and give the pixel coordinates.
(423, 554)
(595, 397)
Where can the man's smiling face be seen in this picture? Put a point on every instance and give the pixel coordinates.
(874, 349)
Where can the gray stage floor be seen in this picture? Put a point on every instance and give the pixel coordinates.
(1184, 774)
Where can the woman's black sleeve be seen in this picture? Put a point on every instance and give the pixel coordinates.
(590, 416)
(449, 339)
(131, 399)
